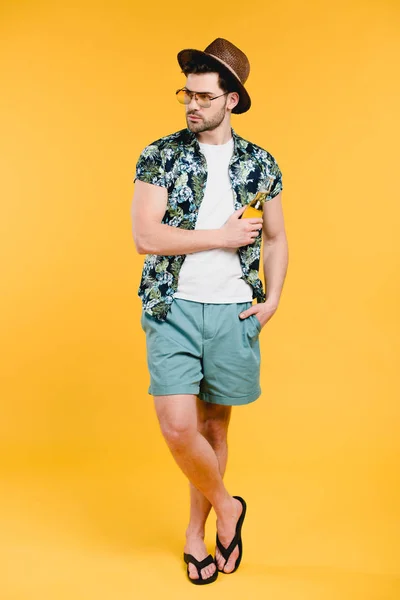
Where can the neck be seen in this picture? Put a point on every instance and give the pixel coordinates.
(221, 135)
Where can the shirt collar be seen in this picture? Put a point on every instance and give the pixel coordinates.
(191, 140)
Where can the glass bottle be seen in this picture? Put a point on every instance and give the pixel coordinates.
(255, 208)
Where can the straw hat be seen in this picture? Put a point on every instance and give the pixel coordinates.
(227, 58)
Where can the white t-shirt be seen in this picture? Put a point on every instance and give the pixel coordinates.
(213, 276)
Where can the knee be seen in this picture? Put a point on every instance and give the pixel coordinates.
(177, 434)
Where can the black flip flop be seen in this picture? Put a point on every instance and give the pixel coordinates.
(237, 541)
(188, 558)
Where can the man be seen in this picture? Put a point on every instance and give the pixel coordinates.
(198, 281)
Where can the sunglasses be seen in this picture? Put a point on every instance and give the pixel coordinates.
(203, 99)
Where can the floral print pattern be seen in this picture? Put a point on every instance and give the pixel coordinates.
(176, 163)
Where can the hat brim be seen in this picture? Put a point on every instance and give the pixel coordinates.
(185, 56)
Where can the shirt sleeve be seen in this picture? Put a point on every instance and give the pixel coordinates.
(149, 167)
(274, 175)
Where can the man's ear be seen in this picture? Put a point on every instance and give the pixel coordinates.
(233, 100)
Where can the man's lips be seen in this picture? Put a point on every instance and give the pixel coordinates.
(194, 118)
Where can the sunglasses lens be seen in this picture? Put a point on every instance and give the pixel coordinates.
(183, 97)
(203, 101)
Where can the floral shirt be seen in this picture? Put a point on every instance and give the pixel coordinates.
(176, 163)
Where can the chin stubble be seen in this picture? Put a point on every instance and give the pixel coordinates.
(205, 125)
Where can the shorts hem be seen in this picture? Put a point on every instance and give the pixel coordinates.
(173, 390)
(228, 400)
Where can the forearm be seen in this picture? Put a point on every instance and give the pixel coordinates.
(167, 240)
(275, 260)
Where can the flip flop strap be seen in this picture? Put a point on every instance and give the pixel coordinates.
(189, 558)
(226, 552)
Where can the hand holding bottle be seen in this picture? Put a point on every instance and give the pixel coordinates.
(240, 232)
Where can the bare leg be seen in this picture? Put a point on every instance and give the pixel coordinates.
(177, 415)
(212, 423)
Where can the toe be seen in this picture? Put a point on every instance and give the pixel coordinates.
(219, 559)
(208, 571)
(230, 565)
(193, 574)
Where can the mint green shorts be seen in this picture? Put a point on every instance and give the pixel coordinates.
(206, 350)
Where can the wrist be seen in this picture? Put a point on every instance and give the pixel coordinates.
(272, 300)
(220, 237)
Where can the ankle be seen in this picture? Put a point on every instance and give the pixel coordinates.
(225, 509)
(195, 532)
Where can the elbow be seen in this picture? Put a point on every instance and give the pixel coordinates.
(277, 238)
(140, 239)
(147, 240)
(141, 248)
(144, 246)
(140, 245)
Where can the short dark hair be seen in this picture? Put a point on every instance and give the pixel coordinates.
(226, 81)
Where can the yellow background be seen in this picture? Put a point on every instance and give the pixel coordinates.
(92, 505)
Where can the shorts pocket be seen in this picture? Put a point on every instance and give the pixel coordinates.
(258, 324)
(145, 320)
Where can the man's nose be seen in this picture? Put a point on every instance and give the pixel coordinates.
(193, 102)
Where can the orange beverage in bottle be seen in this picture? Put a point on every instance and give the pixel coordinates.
(255, 208)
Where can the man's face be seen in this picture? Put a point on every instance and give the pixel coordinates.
(205, 119)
